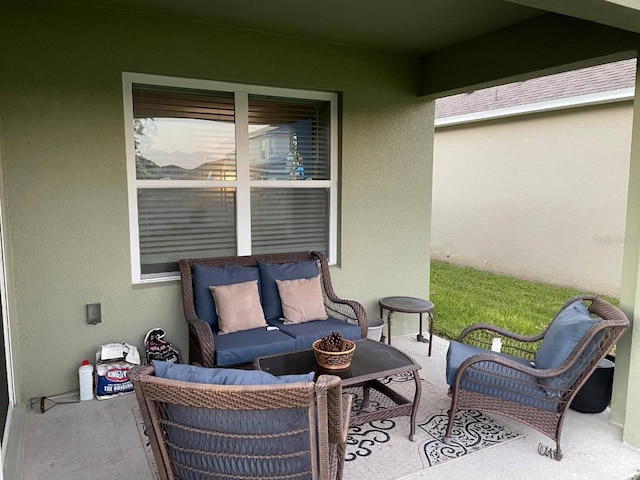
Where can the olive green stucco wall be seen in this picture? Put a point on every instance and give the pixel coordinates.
(65, 189)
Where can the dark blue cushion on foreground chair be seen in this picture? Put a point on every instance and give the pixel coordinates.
(223, 376)
(250, 431)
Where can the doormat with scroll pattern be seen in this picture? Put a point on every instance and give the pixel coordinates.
(382, 449)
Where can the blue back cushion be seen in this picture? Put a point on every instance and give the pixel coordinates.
(269, 272)
(204, 277)
(250, 449)
(239, 444)
(564, 333)
(223, 376)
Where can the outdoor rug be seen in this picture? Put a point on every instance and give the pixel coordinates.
(382, 449)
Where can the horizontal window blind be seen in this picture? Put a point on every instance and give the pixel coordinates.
(170, 102)
(289, 220)
(186, 136)
(289, 139)
(177, 223)
(183, 134)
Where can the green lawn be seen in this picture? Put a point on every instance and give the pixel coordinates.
(463, 296)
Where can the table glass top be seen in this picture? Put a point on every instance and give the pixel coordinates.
(370, 358)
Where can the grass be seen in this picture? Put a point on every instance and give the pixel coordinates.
(463, 296)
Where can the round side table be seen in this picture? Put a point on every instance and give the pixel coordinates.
(408, 305)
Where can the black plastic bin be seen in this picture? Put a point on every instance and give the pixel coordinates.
(595, 394)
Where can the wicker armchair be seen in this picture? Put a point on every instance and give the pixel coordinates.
(283, 431)
(508, 383)
(201, 340)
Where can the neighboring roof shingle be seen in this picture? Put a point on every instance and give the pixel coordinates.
(585, 81)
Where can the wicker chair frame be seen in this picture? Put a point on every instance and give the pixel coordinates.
(327, 412)
(526, 381)
(201, 342)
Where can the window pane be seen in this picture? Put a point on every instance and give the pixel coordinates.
(289, 219)
(180, 223)
(289, 139)
(183, 134)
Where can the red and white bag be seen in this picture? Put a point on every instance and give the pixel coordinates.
(157, 348)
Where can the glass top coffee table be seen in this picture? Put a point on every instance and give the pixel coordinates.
(372, 362)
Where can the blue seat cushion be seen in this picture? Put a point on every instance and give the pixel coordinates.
(489, 378)
(223, 376)
(562, 336)
(307, 333)
(205, 277)
(269, 272)
(242, 347)
(458, 352)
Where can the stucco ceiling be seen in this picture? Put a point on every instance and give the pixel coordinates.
(402, 26)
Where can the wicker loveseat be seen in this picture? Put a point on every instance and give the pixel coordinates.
(533, 379)
(285, 430)
(209, 347)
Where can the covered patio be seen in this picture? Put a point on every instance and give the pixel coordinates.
(69, 187)
(55, 443)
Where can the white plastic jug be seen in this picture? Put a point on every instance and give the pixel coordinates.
(85, 375)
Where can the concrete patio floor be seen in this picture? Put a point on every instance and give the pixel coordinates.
(99, 440)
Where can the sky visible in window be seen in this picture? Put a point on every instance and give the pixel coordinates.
(188, 143)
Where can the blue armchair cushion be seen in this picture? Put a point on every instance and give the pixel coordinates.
(564, 333)
(458, 352)
(269, 272)
(223, 376)
(205, 277)
(252, 431)
(242, 347)
(489, 378)
(304, 334)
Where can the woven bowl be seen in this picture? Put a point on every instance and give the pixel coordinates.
(335, 360)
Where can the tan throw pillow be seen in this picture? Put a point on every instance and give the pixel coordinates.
(301, 300)
(238, 307)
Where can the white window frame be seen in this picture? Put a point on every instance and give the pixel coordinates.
(243, 183)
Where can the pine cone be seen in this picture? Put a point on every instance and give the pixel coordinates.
(332, 342)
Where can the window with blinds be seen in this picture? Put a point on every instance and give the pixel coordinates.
(177, 223)
(183, 135)
(289, 138)
(289, 220)
(218, 169)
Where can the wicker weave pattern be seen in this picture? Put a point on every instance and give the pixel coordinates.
(488, 382)
(201, 342)
(285, 431)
